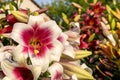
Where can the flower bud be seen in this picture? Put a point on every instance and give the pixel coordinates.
(118, 25)
(82, 54)
(11, 19)
(76, 5)
(22, 17)
(71, 69)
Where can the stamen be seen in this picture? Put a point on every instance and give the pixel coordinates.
(36, 51)
(36, 45)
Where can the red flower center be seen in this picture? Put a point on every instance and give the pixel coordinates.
(96, 10)
(91, 23)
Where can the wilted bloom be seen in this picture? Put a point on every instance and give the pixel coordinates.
(39, 40)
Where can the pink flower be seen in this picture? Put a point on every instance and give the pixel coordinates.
(97, 8)
(83, 43)
(15, 71)
(56, 71)
(39, 40)
(91, 21)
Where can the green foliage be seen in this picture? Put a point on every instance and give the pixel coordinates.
(57, 7)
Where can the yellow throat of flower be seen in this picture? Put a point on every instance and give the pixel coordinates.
(36, 44)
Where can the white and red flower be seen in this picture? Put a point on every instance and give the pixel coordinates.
(15, 71)
(39, 40)
(56, 71)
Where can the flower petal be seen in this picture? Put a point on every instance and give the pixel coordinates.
(45, 35)
(22, 33)
(6, 78)
(84, 66)
(4, 55)
(56, 51)
(36, 70)
(74, 77)
(46, 17)
(15, 71)
(23, 73)
(7, 69)
(35, 20)
(63, 38)
(72, 36)
(53, 27)
(41, 61)
(5, 52)
(56, 71)
(69, 51)
(19, 55)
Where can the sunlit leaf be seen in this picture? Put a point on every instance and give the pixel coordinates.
(14, 4)
(11, 7)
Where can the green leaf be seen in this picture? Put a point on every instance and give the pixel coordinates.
(14, 4)
(21, 1)
(6, 12)
(108, 8)
(11, 7)
(0, 27)
(46, 74)
(3, 7)
(29, 61)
